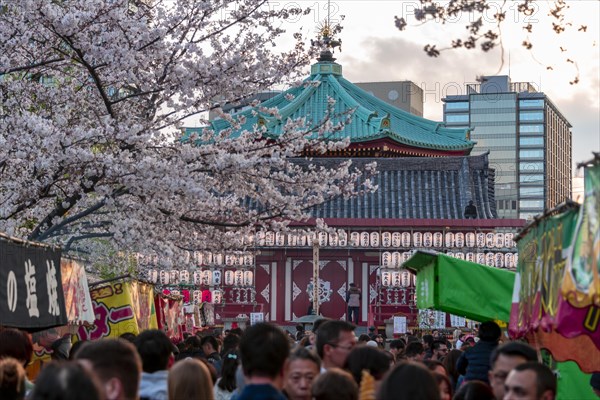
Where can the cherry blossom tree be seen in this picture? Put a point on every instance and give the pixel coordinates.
(93, 97)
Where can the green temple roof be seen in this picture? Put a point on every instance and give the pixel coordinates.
(373, 119)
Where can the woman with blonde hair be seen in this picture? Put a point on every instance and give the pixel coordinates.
(190, 379)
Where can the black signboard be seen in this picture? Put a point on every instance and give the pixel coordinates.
(31, 294)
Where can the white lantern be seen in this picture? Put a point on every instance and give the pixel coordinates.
(489, 259)
(216, 278)
(217, 296)
(218, 258)
(374, 239)
(164, 277)
(364, 239)
(481, 258)
(396, 279)
(323, 239)
(427, 239)
(293, 239)
(509, 261)
(280, 239)
(248, 278)
(405, 256)
(260, 238)
(405, 238)
(396, 259)
(470, 257)
(238, 277)
(405, 279)
(516, 258)
(229, 277)
(386, 259)
(153, 275)
(499, 261)
(396, 239)
(499, 240)
(184, 276)
(333, 239)
(228, 259)
(209, 258)
(269, 239)
(386, 239)
(206, 277)
(197, 277)
(508, 240)
(386, 278)
(470, 239)
(459, 239)
(418, 239)
(480, 239)
(489, 239)
(449, 239)
(303, 240)
(354, 239)
(238, 260)
(198, 257)
(197, 296)
(342, 238)
(248, 260)
(437, 239)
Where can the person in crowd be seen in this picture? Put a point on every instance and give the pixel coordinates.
(397, 347)
(415, 351)
(457, 337)
(474, 390)
(191, 347)
(302, 368)
(428, 345)
(335, 340)
(210, 347)
(363, 339)
(444, 385)
(468, 342)
(231, 342)
(129, 336)
(531, 380)
(66, 380)
(595, 383)
(117, 364)
(61, 348)
(474, 364)
(503, 359)
(17, 344)
(189, 379)
(390, 356)
(226, 385)
(264, 349)
(299, 332)
(436, 366)
(372, 359)
(312, 335)
(12, 379)
(409, 381)
(353, 300)
(156, 352)
(439, 349)
(372, 332)
(75, 347)
(450, 364)
(335, 383)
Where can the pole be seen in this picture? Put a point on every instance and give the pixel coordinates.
(316, 276)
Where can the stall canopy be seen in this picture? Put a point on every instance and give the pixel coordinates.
(31, 293)
(461, 287)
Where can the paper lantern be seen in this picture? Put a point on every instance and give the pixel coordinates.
(406, 255)
(292, 239)
(516, 258)
(489, 239)
(460, 255)
(228, 259)
(322, 239)
(197, 277)
(481, 258)
(217, 296)
(396, 239)
(405, 279)
(342, 238)
(470, 239)
(509, 261)
(354, 239)
(386, 278)
(470, 257)
(260, 238)
(490, 259)
(449, 239)
(499, 260)
(303, 240)
(499, 240)
(374, 239)
(184, 276)
(197, 296)
(450, 254)
(386, 239)
(280, 239)
(459, 240)
(206, 277)
(270, 239)
(248, 260)
(209, 258)
(229, 277)
(427, 239)
(386, 259)
(198, 257)
(248, 278)
(364, 239)
(508, 240)
(396, 259)
(405, 239)
(238, 277)
(153, 275)
(216, 278)
(333, 239)
(437, 239)
(218, 258)
(164, 277)
(396, 279)
(480, 240)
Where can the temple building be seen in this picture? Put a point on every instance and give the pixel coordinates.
(426, 181)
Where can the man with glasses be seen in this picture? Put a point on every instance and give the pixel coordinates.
(335, 340)
(439, 350)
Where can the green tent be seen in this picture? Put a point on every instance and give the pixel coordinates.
(463, 288)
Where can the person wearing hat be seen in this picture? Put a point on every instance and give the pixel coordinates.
(353, 299)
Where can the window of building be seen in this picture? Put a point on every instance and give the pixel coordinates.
(528, 215)
(457, 105)
(531, 167)
(531, 153)
(531, 115)
(531, 103)
(531, 140)
(533, 128)
(457, 118)
(531, 191)
(531, 178)
(531, 203)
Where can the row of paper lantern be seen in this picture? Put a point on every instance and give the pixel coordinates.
(214, 296)
(499, 260)
(388, 239)
(395, 278)
(205, 277)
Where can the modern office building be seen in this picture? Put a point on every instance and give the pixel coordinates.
(405, 95)
(528, 138)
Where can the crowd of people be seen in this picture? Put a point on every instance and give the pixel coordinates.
(266, 362)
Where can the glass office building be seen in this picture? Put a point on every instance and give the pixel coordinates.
(529, 141)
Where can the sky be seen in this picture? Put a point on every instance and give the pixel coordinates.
(374, 49)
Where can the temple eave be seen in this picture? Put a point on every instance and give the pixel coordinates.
(386, 148)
